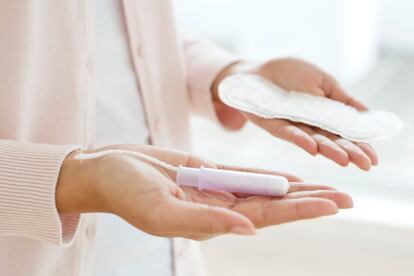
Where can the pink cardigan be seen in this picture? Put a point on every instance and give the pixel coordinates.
(47, 110)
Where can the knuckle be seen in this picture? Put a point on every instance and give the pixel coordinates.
(298, 210)
(264, 214)
(206, 226)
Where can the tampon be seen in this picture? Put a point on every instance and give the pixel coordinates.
(232, 181)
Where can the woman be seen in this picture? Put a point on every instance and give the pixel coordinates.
(47, 117)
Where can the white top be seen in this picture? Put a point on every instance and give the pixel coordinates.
(119, 108)
(121, 248)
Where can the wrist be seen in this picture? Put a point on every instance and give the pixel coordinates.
(75, 190)
(237, 67)
(229, 117)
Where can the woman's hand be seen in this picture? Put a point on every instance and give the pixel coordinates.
(297, 75)
(147, 196)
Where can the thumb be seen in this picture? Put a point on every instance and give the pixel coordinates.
(190, 219)
(317, 92)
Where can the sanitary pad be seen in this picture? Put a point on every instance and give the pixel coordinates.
(253, 94)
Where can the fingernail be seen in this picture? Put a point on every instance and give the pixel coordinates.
(349, 204)
(333, 211)
(346, 205)
(366, 167)
(242, 230)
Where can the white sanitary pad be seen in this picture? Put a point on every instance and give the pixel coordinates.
(253, 94)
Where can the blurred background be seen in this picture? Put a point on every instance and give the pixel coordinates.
(369, 46)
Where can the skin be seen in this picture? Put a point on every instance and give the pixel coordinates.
(147, 197)
(298, 75)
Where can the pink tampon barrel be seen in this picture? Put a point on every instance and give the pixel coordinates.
(232, 181)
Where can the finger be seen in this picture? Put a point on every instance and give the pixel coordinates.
(357, 104)
(334, 91)
(189, 218)
(331, 150)
(356, 155)
(339, 94)
(317, 92)
(298, 187)
(289, 177)
(200, 237)
(267, 212)
(342, 200)
(327, 147)
(287, 131)
(369, 151)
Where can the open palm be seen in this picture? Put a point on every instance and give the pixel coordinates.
(146, 196)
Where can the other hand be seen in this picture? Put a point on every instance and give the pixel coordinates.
(294, 74)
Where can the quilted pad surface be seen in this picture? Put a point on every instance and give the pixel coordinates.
(253, 94)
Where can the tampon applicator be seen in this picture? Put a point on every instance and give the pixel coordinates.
(232, 181)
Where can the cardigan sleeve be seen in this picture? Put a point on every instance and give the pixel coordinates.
(28, 177)
(204, 61)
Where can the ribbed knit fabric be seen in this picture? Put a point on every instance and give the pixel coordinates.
(28, 177)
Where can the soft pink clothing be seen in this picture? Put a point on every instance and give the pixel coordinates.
(46, 111)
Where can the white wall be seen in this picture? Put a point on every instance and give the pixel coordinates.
(360, 37)
(340, 36)
(397, 25)
(324, 247)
